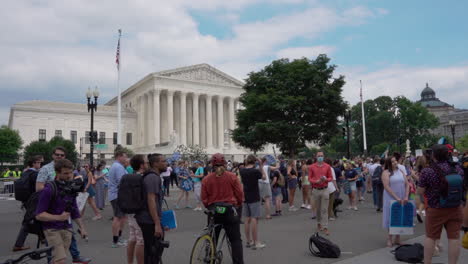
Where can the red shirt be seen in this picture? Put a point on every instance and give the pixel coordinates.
(316, 172)
(226, 189)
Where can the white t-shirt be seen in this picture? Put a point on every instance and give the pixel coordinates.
(372, 168)
(331, 187)
(266, 169)
(167, 173)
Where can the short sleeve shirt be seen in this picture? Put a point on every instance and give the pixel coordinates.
(56, 207)
(46, 173)
(152, 184)
(198, 173)
(116, 172)
(430, 181)
(250, 177)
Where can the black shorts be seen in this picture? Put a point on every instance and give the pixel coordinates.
(116, 209)
(359, 184)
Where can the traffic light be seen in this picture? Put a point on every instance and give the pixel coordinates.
(344, 133)
(93, 136)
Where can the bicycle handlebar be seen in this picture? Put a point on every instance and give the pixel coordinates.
(34, 255)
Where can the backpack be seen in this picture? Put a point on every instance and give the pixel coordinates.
(24, 186)
(281, 181)
(283, 170)
(377, 176)
(30, 223)
(455, 190)
(325, 248)
(410, 253)
(130, 193)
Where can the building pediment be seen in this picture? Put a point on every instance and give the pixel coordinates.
(202, 73)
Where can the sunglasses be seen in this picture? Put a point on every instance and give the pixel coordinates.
(59, 155)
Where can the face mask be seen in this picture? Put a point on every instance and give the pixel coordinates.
(320, 159)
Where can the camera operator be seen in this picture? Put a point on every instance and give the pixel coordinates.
(149, 219)
(55, 210)
(47, 173)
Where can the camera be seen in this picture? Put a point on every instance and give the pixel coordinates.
(72, 187)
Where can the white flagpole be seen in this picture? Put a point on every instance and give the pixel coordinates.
(363, 122)
(119, 100)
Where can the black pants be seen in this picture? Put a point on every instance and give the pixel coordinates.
(378, 194)
(22, 235)
(167, 181)
(231, 224)
(174, 179)
(284, 192)
(153, 251)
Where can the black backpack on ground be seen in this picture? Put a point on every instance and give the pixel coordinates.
(377, 175)
(130, 194)
(324, 248)
(31, 224)
(25, 186)
(410, 253)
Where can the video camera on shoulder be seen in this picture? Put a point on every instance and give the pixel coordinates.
(72, 187)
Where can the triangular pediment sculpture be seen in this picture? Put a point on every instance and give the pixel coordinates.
(201, 73)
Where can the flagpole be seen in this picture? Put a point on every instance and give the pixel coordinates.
(363, 122)
(119, 99)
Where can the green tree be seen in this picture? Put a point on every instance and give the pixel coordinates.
(45, 149)
(10, 144)
(289, 103)
(390, 121)
(192, 153)
(462, 143)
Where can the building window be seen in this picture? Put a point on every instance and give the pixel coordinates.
(129, 138)
(42, 135)
(58, 133)
(102, 137)
(73, 136)
(114, 139)
(87, 141)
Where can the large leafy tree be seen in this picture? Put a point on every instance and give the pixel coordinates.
(10, 144)
(289, 103)
(45, 148)
(391, 121)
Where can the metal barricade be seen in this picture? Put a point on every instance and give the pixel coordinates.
(7, 186)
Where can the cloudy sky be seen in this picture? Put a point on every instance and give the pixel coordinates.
(55, 49)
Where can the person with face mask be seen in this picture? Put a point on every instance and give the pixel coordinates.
(319, 177)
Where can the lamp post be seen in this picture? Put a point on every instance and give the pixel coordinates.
(92, 107)
(452, 125)
(398, 119)
(347, 117)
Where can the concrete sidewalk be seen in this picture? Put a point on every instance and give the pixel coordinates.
(384, 256)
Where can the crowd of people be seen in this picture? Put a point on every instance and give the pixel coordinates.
(253, 189)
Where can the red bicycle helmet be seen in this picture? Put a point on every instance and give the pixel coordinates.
(218, 160)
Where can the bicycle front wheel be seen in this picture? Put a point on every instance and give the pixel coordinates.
(203, 251)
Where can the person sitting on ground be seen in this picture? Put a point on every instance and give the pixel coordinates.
(55, 211)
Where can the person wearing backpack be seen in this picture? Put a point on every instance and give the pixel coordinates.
(149, 218)
(442, 184)
(277, 180)
(24, 188)
(375, 172)
(56, 208)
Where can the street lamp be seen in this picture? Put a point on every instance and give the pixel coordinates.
(452, 125)
(92, 107)
(398, 118)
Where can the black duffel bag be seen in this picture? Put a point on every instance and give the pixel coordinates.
(410, 253)
(322, 247)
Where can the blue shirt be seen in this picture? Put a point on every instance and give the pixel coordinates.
(46, 173)
(115, 175)
(198, 173)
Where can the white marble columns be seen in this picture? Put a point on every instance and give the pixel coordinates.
(207, 117)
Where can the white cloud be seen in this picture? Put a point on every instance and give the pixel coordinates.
(55, 49)
(450, 83)
(309, 52)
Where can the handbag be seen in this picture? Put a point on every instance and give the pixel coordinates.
(465, 241)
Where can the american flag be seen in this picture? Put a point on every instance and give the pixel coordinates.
(117, 56)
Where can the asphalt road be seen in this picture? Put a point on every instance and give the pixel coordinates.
(356, 232)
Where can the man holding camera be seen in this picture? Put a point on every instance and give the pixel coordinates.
(47, 173)
(149, 219)
(56, 208)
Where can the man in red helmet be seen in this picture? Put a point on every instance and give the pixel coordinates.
(222, 189)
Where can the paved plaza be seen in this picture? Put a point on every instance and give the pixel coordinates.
(359, 234)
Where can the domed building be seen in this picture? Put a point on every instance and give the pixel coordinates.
(448, 115)
(434, 104)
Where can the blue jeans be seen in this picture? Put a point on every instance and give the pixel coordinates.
(74, 252)
(377, 194)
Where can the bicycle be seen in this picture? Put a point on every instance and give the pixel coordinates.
(37, 254)
(208, 248)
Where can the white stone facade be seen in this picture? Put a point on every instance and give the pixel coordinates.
(192, 105)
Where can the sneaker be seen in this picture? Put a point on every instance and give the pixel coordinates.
(349, 207)
(259, 245)
(303, 206)
(355, 208)
(331, 219)
(309, 207)
(97, 217)
(249, 244)
(423, 213)
(188, 207)
(292, 209)
(81, 260)
(177, 207)
(122, 241)
(362, 199)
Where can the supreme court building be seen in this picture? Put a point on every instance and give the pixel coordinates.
(193, 105)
